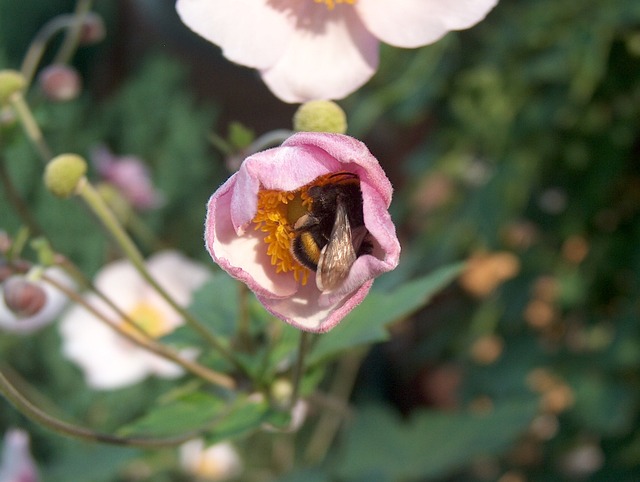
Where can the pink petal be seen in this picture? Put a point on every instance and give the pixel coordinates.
(244, 257)
(254, 33)
(412, 23)
(305, 311)
(352, 155)
(328, 57)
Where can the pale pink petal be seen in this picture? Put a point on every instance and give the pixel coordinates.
(244, 257)
(346, 153)
(327, 58)
(281, 169)
(122, 283)
(16, 462)
(412, 23)
(254, 33)
(107, 360)
(177, 274)
(304, 310)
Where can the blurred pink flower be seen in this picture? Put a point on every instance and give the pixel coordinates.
(254, 218)
(130, 176)
(16, 462)
(322, 49)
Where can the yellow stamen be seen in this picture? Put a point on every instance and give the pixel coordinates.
(332, 3)
(276, 216)
(149, 318)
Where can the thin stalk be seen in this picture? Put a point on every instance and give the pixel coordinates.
(329, 423)
(30, 126)
(72, 38)
(99, 207)
(14, 197)
(298, 369)
(143, 340)
(24, 405)
(39, 44)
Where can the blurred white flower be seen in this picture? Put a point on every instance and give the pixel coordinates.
(110, 361)
(216, 462)
(55, 301)
(16, 462)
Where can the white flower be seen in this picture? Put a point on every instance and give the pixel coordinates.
(322, 49)
(54, 304)
(109, 360)
(215, 463)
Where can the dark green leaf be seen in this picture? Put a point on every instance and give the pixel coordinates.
(366, 324)
(188, 413)
(430, 443)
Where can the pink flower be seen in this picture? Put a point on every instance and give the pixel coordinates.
(16, 462)
(130, 176)
(322, 49)
(256, 217)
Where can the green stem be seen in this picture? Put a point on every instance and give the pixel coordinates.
(72, 38)
(39, 44)
(30, 126)
(298, 370)
(14, 197)
(24, 405)
(329, 423)
(99, 207)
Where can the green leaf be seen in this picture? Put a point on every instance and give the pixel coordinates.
(188, 413)
(366, 324)
(382, 446)
(245, 416)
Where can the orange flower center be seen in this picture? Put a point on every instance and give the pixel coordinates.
(332, 3)
(277, 214)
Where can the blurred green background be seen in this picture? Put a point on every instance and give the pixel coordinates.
(515, 144)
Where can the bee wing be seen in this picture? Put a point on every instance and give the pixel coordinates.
(337, 257)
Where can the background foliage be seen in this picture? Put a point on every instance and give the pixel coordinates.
(520, 136)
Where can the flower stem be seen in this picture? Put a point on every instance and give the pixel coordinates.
(329, 423)
(142, 338)
(41, 40)
(99, 207)
(14, 197)
(298, 370)
(71, 39)
(24, 405)
(30, 126)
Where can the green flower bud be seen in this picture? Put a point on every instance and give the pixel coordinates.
(62, 174)
(320, 116)
(11, 81)
(281, 392)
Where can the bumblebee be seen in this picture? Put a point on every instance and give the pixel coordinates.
(330, 238)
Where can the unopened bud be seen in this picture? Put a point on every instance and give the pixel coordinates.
(93, 29)
(60, 82)
(11, 82)
(23, 297)
(63, 173)
(281, 392)
(320, 116)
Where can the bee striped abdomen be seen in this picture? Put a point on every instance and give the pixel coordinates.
(306, 249)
